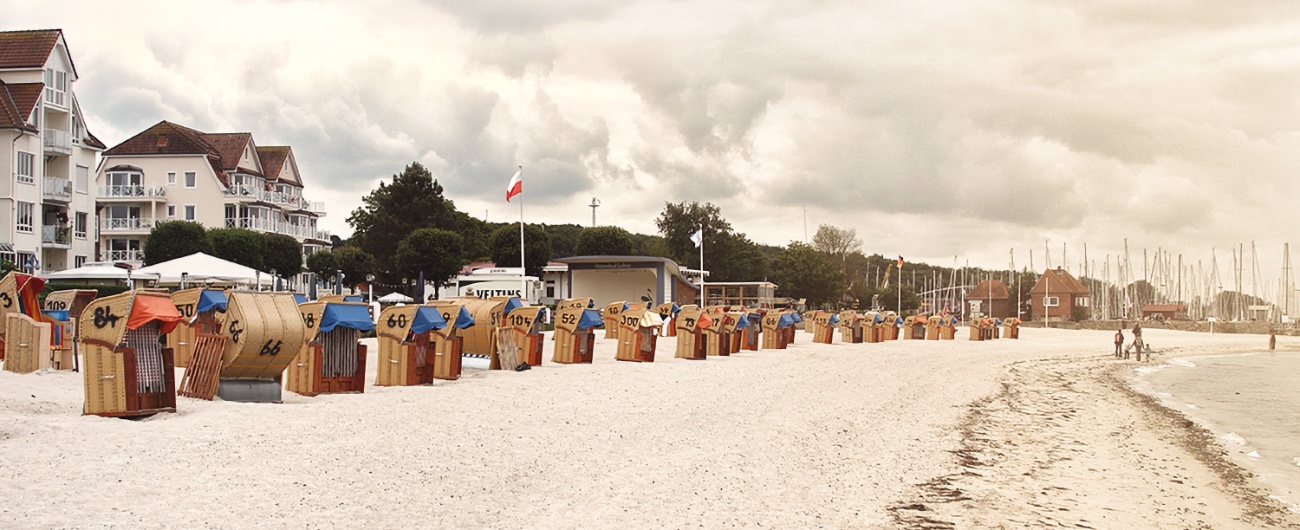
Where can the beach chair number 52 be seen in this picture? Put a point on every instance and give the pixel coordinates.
(569, 319)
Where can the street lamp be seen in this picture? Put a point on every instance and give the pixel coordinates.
(275, 281)
(338, 281)
(370, 288)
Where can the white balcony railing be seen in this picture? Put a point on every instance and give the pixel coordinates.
(312, 206)
(127, 224)
(132, 192)
(279, 227)
(56, 235)
(59, 189)
(122, 255)
(244, 190)
(57, 141)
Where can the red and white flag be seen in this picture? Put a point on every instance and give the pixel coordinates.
(516, 185)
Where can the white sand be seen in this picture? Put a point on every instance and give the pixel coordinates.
(964, 434)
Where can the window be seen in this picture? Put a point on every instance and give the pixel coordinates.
(189, 212)
(171, 211)
(9, 256)
(1051, 301)
(1081, 301)
(78, 261)
(79, 225)
(191, 179)
(26, 167)
(171, 178)
(24, 221)
(27, 262)
(76, 129)
(83, 180)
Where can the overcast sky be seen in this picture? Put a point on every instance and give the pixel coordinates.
(934, 128)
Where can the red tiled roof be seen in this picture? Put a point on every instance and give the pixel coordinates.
(27, 49)
(17, 101)
(92, 141)
(982, 291)
(164, 138)
(273, 158)
(230, 147)
(1058, 281)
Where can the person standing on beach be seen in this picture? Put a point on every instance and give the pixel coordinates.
(1272, 339)
(1119, 343)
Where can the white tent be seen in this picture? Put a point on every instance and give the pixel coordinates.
(101, 271)
(394, 298)
(200, 268)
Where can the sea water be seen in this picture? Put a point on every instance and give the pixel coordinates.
(1250, 401)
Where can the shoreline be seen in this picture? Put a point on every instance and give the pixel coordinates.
(1152, 452)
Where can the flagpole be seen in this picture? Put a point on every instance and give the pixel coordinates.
(702, 301)
(523, 272)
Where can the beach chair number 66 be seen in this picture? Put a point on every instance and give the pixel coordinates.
(268, 349)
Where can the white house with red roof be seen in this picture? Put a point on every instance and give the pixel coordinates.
(171, 172)
(47, 200)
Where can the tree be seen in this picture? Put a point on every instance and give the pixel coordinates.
(355, 264)
(504, 245)
(678, 221)
(175, 239)
(392, 211)
(435, 252)
(283, 255)
(836, 242)
(604, 241)
(564, 239)
(803, 272)
(323, 264)
(239, 245)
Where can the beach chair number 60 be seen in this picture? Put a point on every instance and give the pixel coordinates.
(398, 322)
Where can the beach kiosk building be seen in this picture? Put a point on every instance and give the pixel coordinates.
(607, 279)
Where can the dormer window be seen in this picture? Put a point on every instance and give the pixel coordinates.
(56, 87)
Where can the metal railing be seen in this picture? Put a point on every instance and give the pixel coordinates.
(57, 141)
(131, 192)
(126, 224)
(57, 235)
(278, 227)
(58, 188)
(122, 255)
(244, 190)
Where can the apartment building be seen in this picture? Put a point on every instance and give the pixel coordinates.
(47, 206)
(171, 172)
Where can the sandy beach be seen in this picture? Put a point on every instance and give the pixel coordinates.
(1039, 432)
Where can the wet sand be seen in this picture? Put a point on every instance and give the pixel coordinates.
(913, 434)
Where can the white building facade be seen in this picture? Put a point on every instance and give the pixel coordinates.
(47, 199)
(221, 180)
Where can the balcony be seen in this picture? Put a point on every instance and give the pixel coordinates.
(279, 227)
(57, 189)
(316, 207)
(246, 191)
(122, 225)
(56, 237)
(127, 193)
(132, 256)
(57, 142)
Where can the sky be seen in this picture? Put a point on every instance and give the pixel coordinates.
(945, 132)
